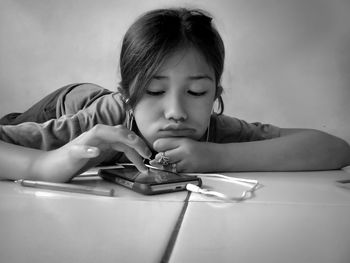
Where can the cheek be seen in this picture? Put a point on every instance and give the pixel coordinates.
(146, 114)
(143, 109)
(201, 113)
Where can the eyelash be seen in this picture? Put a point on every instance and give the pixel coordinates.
(154, 93)
(158, 93)
(197, 94)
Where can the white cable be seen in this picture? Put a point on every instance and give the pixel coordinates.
(253, 184)
(226, 178)
(197, 189)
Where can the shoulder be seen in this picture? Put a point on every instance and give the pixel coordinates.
(108, 109)
(91, 104)
(226, 129)
(80, 96)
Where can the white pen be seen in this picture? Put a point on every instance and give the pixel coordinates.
(67, 187)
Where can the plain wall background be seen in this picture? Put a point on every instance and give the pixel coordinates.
(288, 61)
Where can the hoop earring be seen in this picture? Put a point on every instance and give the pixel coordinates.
(131, 119)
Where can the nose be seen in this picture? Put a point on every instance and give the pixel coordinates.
(175, 108)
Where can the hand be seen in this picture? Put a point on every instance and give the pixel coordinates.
(188, 155)
(89, 149)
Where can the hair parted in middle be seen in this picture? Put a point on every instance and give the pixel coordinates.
(155, 36)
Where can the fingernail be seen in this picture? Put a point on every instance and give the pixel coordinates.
(92, 151)
(132, 136)
(148, 153)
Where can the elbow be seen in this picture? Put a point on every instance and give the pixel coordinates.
(337, 150)
(344, 151)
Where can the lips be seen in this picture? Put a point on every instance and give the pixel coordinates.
(176, 130)
(175, 126)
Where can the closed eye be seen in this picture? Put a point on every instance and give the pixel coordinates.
(197, 94)
(154, 93)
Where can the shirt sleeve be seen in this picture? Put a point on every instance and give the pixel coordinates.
(57, 132)
(79, 97)
(227, 129)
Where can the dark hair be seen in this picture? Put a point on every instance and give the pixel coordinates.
(159, 33)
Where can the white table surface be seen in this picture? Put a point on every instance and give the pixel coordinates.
(50, 226)
(294, 217)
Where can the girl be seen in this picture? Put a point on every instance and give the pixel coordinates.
(171, 65)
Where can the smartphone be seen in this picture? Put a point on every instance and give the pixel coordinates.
(156, 181)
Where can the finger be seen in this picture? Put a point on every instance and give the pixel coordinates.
(137, 161)
(179, 167)
(165, 144)
(129, 138)
(139, 145)
(104, 134)
(133, 156)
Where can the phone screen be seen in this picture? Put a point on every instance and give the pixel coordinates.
(153, 176)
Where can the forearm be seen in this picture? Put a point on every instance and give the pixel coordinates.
(305, 150)
(16, 162)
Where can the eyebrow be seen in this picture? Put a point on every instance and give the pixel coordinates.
(200, 76)
(194, 77)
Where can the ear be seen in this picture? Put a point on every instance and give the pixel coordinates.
(218, 91)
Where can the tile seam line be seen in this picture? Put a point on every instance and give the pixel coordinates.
(174, 234)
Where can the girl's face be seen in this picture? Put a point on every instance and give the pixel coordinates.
(179, 100)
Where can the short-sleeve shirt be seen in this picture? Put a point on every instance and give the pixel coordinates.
(86, 105)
